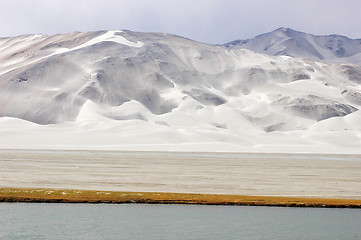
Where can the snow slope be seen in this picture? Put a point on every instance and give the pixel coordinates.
(125, 90)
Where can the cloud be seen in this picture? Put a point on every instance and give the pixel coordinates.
(211, 21)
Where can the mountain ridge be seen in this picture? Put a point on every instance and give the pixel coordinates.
(288, 42)
(164, 89)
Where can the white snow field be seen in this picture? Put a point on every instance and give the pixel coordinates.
(123, 90)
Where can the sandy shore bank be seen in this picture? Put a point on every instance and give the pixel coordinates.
(287, 175)
(80, 196)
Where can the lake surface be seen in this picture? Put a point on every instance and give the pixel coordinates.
(137, 221)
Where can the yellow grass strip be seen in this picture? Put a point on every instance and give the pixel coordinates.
(84, 196)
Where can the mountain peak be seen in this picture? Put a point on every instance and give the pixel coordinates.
(289, 42)
(283, 29)
(287, 31)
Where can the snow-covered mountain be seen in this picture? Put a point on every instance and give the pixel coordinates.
(288, 42)
(152, 91)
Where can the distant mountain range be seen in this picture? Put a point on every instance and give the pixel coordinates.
(288, 42)
(281, 91)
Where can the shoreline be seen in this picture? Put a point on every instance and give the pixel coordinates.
(296, 177)
(37, 195)
(172, 152)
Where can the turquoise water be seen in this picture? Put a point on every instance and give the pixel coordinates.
(137, 221)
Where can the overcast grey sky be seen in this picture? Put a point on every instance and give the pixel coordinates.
(210, 21)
